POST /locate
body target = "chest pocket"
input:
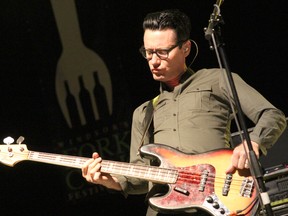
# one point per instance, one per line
(197, 99)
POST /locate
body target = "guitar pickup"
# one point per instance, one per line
(247, 187)
(227, 184)
(203, 181)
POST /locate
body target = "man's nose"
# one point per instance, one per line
(155, 58)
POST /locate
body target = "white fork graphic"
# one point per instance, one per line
(76, 60)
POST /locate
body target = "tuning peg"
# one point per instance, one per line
(20, 140)
(8, 140)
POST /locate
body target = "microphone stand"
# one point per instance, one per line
(212, 32)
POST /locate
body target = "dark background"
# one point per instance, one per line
(255, 34)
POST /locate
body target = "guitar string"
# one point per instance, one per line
(160, 170)
(234, 188)
(82, 160)
(187, 176)
(235, 184)
(68, 159)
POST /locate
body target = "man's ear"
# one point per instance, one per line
(187, 48)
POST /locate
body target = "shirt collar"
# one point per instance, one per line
(188, 73)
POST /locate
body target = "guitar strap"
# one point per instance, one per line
(148, 121)
(149, 128)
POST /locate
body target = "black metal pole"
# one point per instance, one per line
(213, 32)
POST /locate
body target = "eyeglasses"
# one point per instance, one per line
(163, 54)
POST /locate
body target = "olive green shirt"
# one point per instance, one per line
(196, 115)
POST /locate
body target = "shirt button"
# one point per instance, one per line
(174, 129)
(174, 114)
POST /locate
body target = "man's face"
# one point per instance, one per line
(172, 67)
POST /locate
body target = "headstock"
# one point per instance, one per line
(10, 154)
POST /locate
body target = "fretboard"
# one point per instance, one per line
(149, 173)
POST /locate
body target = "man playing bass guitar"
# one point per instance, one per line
(191, 117)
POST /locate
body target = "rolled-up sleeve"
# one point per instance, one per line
(270, 122)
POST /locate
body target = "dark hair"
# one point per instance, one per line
(169, 19)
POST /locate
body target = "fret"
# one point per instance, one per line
(156, 174)
(63, 160)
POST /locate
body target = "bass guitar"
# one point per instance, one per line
(194, 181)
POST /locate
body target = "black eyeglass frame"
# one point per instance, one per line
(165, 56)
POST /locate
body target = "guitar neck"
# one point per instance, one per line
(57, 159)
(149, 173)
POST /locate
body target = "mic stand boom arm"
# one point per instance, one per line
(215, 36)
